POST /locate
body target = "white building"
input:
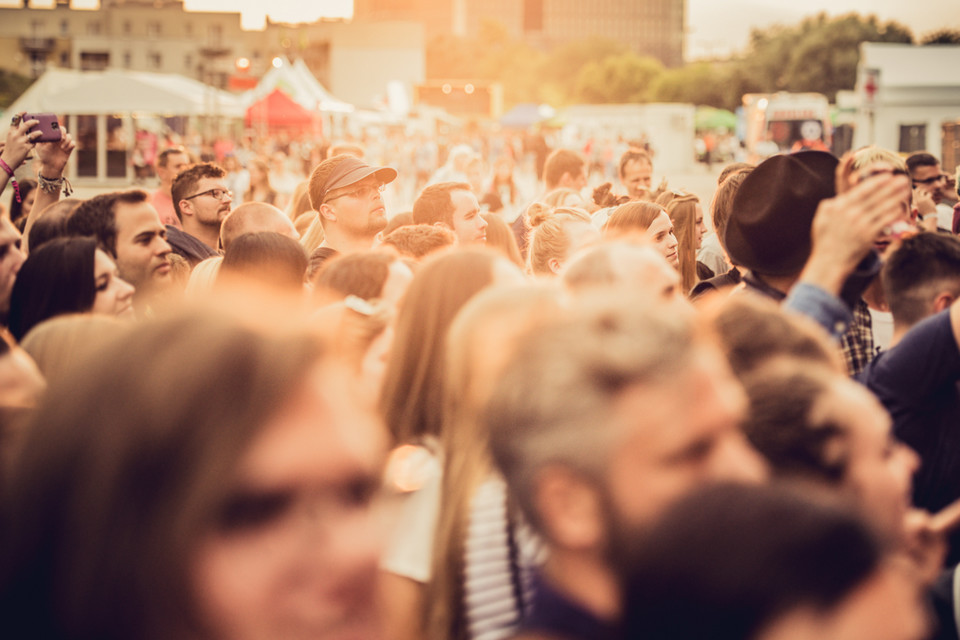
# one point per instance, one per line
(916, 92)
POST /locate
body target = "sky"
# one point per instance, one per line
(714, 27)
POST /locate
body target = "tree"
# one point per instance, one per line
(942, 36)
(625, 77)
(12, 85)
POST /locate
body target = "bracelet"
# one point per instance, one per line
(54, 186)
(13, 180)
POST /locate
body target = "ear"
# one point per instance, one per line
(943, 300)
(570, 509)
(186, 207)
(554, 265)
(328, 213)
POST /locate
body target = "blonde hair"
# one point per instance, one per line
(549, 239)
(203, 277)
(313, 237)
(631, 217)
(57, 343)
(480, 342)
(868, 155)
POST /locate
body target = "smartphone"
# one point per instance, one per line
(49, 126)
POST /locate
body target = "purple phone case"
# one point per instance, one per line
(49, 126)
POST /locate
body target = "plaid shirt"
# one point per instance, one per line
(857, 341)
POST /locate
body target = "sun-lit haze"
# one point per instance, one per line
(714, 29)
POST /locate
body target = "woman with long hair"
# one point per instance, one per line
(686, 215)
(412, 406)
(260, 188)
(67, 275)
(647, 219)
(198, 477)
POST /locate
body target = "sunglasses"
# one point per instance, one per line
(938, 178)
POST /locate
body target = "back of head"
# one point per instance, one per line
(753, 330)
(413, 385)
(85, 480)
(52, 222)
(96, 217)
(434, 204)
(924, 266)
(732, 168)
(58, 343)
(57, 278)
(253, 217)
(729, 561)
(361, 274)
(549, 239)
(559, 163)
(500, 237)
(568, 374)
(269, 258)
(722, 203)
(419, 240)
(185, 184)
(561, 197)
(872, 154)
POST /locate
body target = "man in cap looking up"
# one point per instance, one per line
(346, 192)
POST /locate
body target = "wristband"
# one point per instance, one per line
(13, 180)
(53, 186)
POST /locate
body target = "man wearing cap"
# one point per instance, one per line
(346, 192)
(796, 236)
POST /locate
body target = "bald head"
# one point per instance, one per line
(618, 264)
(253, 217)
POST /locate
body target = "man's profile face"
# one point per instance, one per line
(469, 226)
(142, 250)
(931, 178)
(670, 444)
(359, 208)
(176, 162)
(637, 178)
(207, 210)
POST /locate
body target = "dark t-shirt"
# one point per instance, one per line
(188, 246)
(553, 615)
(917, 382)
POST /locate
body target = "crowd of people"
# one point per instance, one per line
(231, 409)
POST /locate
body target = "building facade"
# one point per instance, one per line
(648, 27)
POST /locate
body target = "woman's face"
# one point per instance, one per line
(293, 553)
(661, 232)
(27, 205)
(700, 228)
(114, 295)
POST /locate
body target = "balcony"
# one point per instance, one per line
(36, 45)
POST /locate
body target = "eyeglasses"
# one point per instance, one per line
(363, 192)
(938, 178)
(217, 194)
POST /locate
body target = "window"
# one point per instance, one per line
(153, 29)
(156, 60)
(127, 60)
(64, 27)
(913, 137)
(188, 29)
(214, 35)
(94, 60)
(188, 61)
(64, 59)
(93, 28)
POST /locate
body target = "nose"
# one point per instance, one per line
(483, 224)
(673, 242)
(163, 247)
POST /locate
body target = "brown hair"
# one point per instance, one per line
(419, 240)
(631, 217)
(108, 517)
(360, 274)
(319, 178)
(683, 213)
(633, 154)
(97, 217)
(560, 162)
(413, 384)
(501, 238)
(186, 181)
(722, 205)
(434, 203)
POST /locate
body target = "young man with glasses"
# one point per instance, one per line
(927, 176)
(346, 192)
(201, 200)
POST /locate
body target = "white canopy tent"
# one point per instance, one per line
(105, 109)
(67, 91)
(296, 80)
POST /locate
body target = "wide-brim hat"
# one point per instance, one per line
(352, 170)
(768, 230)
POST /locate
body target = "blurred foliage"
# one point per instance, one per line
(942, 36)
(819, 54)
(11, 86)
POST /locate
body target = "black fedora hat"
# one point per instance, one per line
(769, 227)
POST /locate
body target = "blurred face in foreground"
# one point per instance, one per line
(294, 551)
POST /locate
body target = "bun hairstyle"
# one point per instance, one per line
(548, 235)
(604, 197)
